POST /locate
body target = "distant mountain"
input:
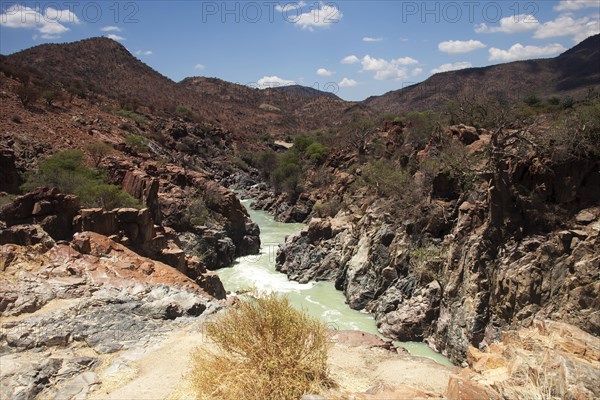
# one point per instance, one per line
(304, 91)
(103, 66)
(271, 110)
(570, 74)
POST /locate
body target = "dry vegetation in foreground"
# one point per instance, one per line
(267, 351)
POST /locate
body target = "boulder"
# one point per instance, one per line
(49, 208)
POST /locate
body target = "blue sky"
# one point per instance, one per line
(354, 48)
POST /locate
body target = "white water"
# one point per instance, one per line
(319, 299)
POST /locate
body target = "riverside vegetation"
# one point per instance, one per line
(469, 221)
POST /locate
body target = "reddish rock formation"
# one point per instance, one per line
(49, 208)
(547, 360)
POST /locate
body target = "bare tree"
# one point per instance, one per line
(97, 152)
(358, 134)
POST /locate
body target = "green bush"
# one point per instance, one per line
(197, 213)
(137, 142)
(421, 126)
(327, 209)
(316, 152)
(99, 194)
(532, 101)
(183, 111)
(301, 143)
(286, 175)
(387, 179)
(67, 172)
(267, 350)
(133, 115)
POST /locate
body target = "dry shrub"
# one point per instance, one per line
(535, 375)
(267, 351)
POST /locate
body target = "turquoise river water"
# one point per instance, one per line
(319, 299)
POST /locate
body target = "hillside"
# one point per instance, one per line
(278, 111)
(569, 74)
(101, 66)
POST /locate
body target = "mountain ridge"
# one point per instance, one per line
(569, 74)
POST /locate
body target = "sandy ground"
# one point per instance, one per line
(159, 372)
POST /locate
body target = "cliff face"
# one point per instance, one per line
(460, 272)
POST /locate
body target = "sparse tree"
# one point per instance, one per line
(27, 94)
(98, 151)
(51, 95)
(359, 132)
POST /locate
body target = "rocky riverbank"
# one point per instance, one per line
(458, 269)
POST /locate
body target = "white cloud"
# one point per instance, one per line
(273, 81)
(572, 5)
(115, 37)
(143, 53)
(289, 7)
(460, 47)
(372, 39)
(200, 67)
(566, 25)
(324, 72)
(322, 16)
(387, 70)
(417, 71)
(344, 83)
(451, 67)
(110, 28)
(350, 60)
(520, 52)
(49, 23)
(514, 24)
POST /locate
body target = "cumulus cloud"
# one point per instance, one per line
(459, 46)
(387, 69)
(573, 5)
(324, 72)
(566, 25)
(49, 23)
(111, 28)
(115, 37)
(322, 16)
(451, 67)
(143, 53)
(513, 24)
(289, 7)
(350, 60)
(520, 52)
(372, 39)
(273, 81)
(417, 71)
(200, 67)
(344, 83)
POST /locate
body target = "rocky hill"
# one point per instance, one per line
(282, 112)
(570, 74)
(101, 66)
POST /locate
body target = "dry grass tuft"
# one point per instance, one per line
(267, 351)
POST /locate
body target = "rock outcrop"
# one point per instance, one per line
(49, 208)
(175, 191)
(546, 360)
(457, 270)
(9, 175)
(64, 309)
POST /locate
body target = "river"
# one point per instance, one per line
(319, 299)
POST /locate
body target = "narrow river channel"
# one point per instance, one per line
(319, 299)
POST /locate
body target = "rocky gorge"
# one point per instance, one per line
(445, 274)
(480, 239)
